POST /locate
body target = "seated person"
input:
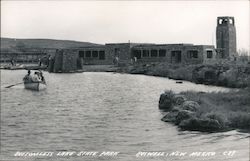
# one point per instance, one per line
(42, 77)
(36, 78)
(27, 77)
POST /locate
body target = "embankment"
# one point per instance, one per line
(227, 75)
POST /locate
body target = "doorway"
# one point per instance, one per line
(176, 56)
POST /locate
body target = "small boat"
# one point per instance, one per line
(37, 86)
(179, 82)
(34, 82)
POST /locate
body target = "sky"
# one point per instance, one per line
(122, 21)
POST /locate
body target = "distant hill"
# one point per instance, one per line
(16, 44)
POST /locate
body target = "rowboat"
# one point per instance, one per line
(34, 82)
(37, 86)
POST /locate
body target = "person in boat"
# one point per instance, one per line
(35, 77)
(27, 77)
(41, 76)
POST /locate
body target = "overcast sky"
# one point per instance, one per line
(121, 21)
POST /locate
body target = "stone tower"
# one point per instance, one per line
(226, 37)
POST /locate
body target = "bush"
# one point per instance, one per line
(240, 120)
(166, 101)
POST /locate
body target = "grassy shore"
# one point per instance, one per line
(214, 111)
(227, 74)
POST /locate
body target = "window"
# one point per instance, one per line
(209, 54)
(81, 54)
(162, 53)
(117, 50)
(94, 54)
(137, 54)
(88, 54)
(145, 53)
(192, 54)
(153, 53)
(195, 54)
(102, 55)
(220, 21)
(230, 21)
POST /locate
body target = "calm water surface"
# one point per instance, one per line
(103, 112)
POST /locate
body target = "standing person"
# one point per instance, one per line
(135, 59)
(132, 61)
(39, 62)
(117, 60)
(12, 62)
(48, 60)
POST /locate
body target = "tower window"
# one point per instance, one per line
(230, 21)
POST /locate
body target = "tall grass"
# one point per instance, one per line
(231, 109)
(229, 74)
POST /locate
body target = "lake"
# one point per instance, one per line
(100, 112)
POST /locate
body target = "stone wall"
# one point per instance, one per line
(172, 53)
(150, 53)
(64, 61)
(96, 55)
(120, 50)
(209, 54)
(69, 60)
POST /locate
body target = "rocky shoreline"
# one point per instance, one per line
(204, 111)
(198, 111)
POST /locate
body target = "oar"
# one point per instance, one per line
(13, 85)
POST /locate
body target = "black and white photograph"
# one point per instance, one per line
(129, 80)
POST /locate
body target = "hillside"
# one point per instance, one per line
(13, 44)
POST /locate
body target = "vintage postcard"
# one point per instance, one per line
(125, 80)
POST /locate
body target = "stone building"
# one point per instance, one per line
(174, 53)
(67, 60)
(128, 52)
(21, 57)
(30, 55)
(93, 55)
